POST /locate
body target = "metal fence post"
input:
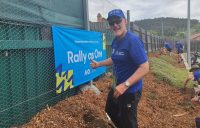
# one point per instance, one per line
(128, 19)
(146, 42)
(151, 43)
(86, 15)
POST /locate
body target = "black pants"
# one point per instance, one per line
(123, 111)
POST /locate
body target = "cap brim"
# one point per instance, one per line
(113, 16)
(193, 69)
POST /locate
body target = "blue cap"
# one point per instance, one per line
(196, 75)
(116, 12)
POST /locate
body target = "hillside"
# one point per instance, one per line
(171, 26)
(162, 105)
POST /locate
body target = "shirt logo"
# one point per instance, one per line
(121, 53)
(113, 51)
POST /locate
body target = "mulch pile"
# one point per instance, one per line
(85, 110)
(161, 106)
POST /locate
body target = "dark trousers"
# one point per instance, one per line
(123, 111)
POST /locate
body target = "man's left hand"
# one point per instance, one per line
(119, 90)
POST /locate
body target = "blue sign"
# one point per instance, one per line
(73, 50)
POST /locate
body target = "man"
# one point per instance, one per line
(195, 76)
(130, 65)
(169, 48)
(179, 49)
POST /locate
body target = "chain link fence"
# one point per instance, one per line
(195, 46)
(152, 43)
(27, 78)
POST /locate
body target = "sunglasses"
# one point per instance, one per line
(117, 21)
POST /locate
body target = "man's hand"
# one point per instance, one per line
(94, 64)
(119, 90)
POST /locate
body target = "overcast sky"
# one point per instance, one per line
(144, 9)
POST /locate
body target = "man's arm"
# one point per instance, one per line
(107, 62)
(139, 74)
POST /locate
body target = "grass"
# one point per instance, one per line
(164, 70)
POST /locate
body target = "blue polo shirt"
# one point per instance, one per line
(168, 46)
(196, 75)
(127, 54)
(179, 46)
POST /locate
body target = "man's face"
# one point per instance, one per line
(117, 25)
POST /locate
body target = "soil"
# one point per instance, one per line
(161, 106)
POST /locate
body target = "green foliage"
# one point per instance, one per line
(180, 35)
(164, 70)
(170, 25)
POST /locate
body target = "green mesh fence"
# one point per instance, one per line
(27, 72)
(62, 12)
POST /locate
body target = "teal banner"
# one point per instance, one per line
(73, 49)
